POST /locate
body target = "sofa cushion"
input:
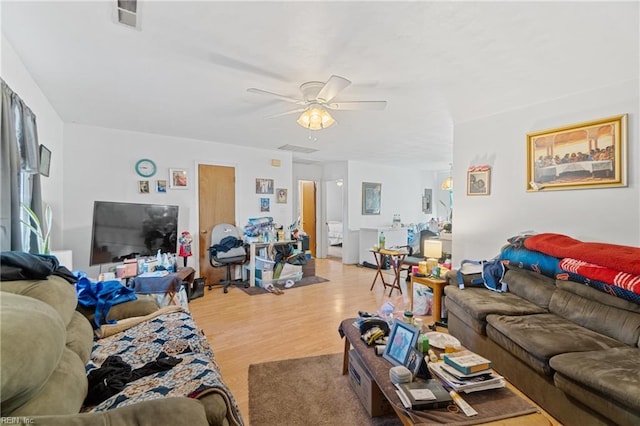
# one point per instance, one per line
(597, 311)
(531, 286)
(54, 291)
(63, 393)
(143, 305)
(80, 336)
(155, 412)
(33, 336)
(534, 339)
(612, 372)
(479, 302)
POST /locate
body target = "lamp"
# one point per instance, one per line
(447, 184)
(432, 250)
(315, 117)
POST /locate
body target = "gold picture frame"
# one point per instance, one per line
(479, 180)
(587, 155)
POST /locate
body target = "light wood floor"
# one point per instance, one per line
(245, 330)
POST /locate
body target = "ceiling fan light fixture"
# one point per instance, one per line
(315, 117)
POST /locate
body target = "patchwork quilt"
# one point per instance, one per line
(174, 334)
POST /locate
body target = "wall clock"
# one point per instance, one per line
(146, 168)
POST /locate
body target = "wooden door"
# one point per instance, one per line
(217, 204)
(308, 212)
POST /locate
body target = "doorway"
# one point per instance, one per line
(216, 204)
(334, 217)
(307, 191)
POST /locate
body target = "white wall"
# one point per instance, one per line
(100, 166)
(402, 191)
(481, 225)
(334, 201)
(50, 134)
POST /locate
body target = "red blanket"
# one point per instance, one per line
(617, 257)
(600, 273)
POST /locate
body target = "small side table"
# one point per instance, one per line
(396, 263)
(437, 285)
(169, 285)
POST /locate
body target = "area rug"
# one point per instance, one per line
(313, 391)
(253, 290)
(306, 391)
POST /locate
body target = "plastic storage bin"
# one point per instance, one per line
(264, 264)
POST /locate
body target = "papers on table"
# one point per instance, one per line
(487, 381)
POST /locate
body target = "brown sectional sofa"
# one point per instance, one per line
(48, 347)
(571, 348)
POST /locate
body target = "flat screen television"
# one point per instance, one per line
(128, 230)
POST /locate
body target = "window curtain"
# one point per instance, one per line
(20, 180)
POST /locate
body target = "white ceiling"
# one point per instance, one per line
(186, 71)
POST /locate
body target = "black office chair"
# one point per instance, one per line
(227, 249)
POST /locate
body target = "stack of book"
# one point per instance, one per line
(466, 371)
(423, 395)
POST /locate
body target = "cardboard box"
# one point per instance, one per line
(368, 392)
(309, 269)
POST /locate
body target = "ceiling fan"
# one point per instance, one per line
(317, 97)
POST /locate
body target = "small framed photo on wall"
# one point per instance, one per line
(143, 186)
(161, 186)
(264, 186)
(479, 180)
(178, 179)
(265, 204)
(282, 196)
(371, 198)
(45, 161)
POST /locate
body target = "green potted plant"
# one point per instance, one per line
(34, 225)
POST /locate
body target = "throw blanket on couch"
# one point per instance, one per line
(600, 273)
(169, 335)
(616, 283)
(617, 257)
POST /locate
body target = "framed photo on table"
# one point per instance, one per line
(414, 361)
(402, 339)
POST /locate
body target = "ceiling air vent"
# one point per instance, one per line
(296, 148)
(305, 161)
(127, 13)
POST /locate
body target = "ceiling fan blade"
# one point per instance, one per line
(281, 97)
(229, 62)
(332, 87)
(357, 105)
(295, 111)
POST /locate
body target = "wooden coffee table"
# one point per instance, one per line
(378, 368)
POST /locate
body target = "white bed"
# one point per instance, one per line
(334, 233)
